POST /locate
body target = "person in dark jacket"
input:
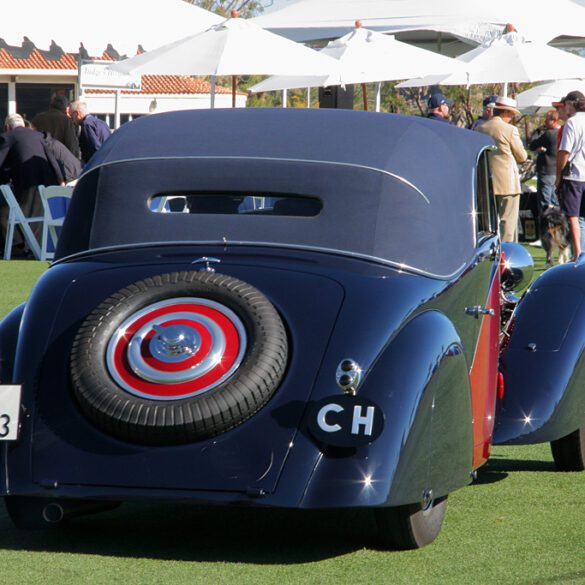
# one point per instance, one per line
(438, 108)
(69, 166)
(93, 132)
(544, 142)
(58, 124)
(24, 162)
(488, 112)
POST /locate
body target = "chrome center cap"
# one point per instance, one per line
(174, 342)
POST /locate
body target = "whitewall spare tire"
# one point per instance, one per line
(178, 357)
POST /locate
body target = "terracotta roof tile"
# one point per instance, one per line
(36, 61)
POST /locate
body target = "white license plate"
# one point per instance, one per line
(9, 412)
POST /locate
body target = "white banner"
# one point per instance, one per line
(97, 75)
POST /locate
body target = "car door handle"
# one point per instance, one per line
(477, 311)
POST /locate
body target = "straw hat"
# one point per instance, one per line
(506, 103)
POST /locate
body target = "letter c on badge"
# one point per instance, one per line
(321, 416)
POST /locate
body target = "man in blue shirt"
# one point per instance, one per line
(93, 132)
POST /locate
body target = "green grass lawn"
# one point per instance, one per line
(521, 522)
(17, 278)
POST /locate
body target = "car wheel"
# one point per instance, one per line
(412, 526)
(178, 357)
(569, 451)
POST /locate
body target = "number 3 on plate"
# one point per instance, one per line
(4, 425)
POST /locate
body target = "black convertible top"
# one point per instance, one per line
(397, 188)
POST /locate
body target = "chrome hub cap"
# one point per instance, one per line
(174, 343)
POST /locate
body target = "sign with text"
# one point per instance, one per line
(345, 420)
(97, 75)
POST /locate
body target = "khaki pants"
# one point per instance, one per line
(508, 212)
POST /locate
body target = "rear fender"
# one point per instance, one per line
(544, 362)
(9, 328)
(421, 383)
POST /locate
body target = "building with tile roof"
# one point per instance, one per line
(29, 77)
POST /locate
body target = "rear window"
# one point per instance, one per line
(236, 204)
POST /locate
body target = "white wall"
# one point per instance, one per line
(148, 104)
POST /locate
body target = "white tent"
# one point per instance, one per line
(475, 20)
(234, 47)
(366, 56)
(125, 24)
(509, 59)
(539, 99)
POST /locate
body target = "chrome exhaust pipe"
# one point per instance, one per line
(37, 513)
(53, 513)
(56, 512)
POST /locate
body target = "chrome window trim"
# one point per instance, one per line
(225, 243)
(265, 158)
(476, 238)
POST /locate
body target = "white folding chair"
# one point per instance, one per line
(17, 218)
(51, 221)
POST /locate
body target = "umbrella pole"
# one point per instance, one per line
(378, 96)
(365, 96)
(308, 97)
(284, 98)
(212, 99)
(233, 91)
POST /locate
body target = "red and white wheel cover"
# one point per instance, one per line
(176, 348)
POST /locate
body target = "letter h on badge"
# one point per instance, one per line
(366, 420)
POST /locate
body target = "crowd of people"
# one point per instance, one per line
(560, 160)
(49, 150)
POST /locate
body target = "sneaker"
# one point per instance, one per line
(537, 244)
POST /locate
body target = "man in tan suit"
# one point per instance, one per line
(505, 175)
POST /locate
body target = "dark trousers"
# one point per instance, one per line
(31, 205)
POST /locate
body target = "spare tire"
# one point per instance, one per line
(178, 357)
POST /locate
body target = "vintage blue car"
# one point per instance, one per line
(283, 308)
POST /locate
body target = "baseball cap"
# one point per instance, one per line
(573, 96)
(438, 99)
(490, 99)
(570, 97)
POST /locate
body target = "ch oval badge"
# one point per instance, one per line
(346, 421)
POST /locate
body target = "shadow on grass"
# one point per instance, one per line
(521, 465)
(564, 579)
(186, 533)
(497, 469)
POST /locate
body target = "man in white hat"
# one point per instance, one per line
(504, 164)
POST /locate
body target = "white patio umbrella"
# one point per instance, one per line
(541, 97)
(506, 60)
(94, 24)
(234, 47)
(474, 20)
(366, 56)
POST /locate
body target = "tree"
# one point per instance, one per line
(245, 8)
